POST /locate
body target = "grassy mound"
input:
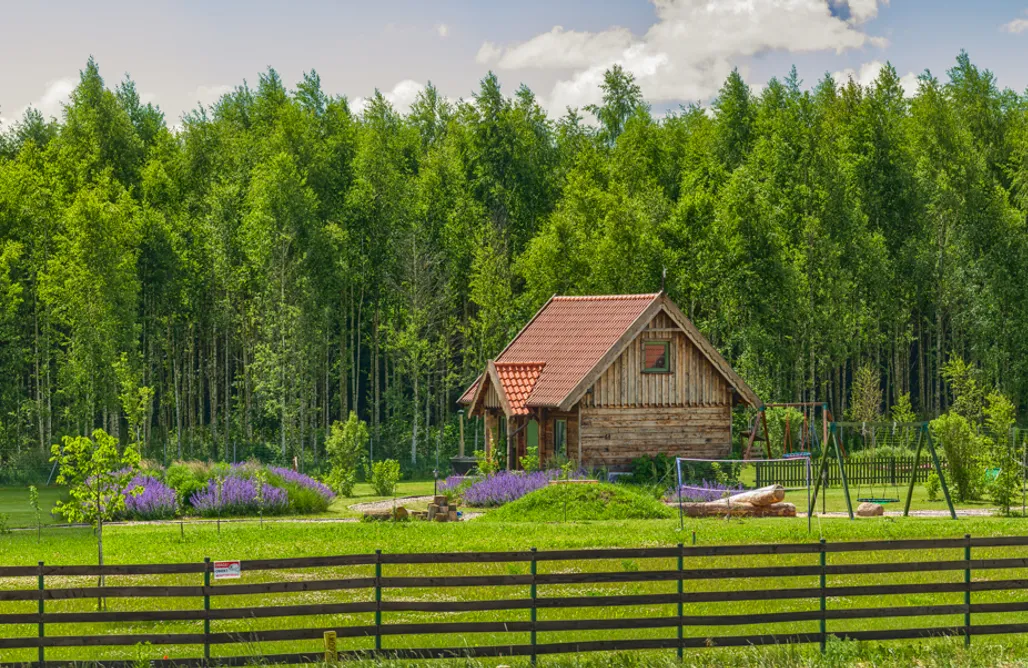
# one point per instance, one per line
(584, 502)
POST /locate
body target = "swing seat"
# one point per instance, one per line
(879, 501)
(796, 455)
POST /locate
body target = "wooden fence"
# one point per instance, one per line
(850, 584)
(872, 471)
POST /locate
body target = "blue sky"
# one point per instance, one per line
(182, 54)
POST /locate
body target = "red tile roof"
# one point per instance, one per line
(518, 380)
(570, 334)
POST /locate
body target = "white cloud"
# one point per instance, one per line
(1017, 26)
(208, 95)
(50, 104)
(442, 30)
(692, 47)
(488, 53)
(401, 96)
(868, 72)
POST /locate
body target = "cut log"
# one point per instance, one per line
(400, 513)
(765, 496)
(439, 500)
(721, 508)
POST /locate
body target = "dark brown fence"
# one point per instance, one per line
(670, 575)
(870, 471)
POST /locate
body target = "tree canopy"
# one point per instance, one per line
(236, 285)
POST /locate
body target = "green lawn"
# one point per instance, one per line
(246, 541)
(192, 542)
(14, 502)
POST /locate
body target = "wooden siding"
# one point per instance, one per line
(546, 434)
(613, 437)
(692, 381)
(491, 399)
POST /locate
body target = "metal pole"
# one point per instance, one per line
(378, 600)
(967, 590)
(681, 612)
(533, 611)
(822, 622)
(42, 633)
(206, 610)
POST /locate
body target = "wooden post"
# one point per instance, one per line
(461, 453)
(681, 611)
(967, 590)
(823, 622)
(533, 612)
(42, 633)
(331, 650)
(206, 611)
(938, 472)
(378, 600)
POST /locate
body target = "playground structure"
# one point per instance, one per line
(820, 437)
(833, 449)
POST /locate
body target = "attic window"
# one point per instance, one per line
(656, 356)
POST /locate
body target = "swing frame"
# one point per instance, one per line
(809, 411)
(833, 445)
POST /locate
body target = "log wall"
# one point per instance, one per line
(613, 437)
(692, 380)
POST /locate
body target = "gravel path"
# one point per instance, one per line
(966, 512)
(388, 504)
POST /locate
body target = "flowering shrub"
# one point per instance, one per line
(302, 480)
(506, 486)
(238, 496)
(154, 500)
(703, 491)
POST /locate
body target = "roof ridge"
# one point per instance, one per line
(571, 298)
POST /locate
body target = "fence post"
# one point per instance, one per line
(824, 601)
(533, 611)
(378, 600)
(331, 651)
(206, 611)
(967, 590)
(42, 586)
(681, 567)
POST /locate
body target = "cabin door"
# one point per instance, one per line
(531, 440)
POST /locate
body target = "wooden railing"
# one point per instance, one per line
(870, 471)
(671, 590)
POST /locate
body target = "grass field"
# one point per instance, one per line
(192, 542)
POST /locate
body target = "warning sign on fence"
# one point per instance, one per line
(226, 570)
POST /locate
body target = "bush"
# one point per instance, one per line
(156, 501)
(184, 479)
(306, 495)
(486, 463)
(506, 486)
(238, 496)
(384, 476)
(964, 450)
(345, 448)
(933, 486)
(530, 462)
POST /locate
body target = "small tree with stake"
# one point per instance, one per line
(97, 475)
(34, 505)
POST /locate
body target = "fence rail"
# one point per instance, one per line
(871, 471)
(810, 580)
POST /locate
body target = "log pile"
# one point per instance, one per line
(442, 510)
(763, 502)
(397, 514)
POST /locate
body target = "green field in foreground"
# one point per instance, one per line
(165, 543)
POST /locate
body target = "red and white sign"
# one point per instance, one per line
(227, 570)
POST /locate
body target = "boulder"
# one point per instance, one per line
(866, 509)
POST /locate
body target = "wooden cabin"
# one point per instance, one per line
(603, 380)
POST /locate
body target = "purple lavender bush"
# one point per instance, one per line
(238, 496)
(305, 494)
(156, 501)
(702, 492)
(506, 486)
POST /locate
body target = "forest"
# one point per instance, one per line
(231, 284)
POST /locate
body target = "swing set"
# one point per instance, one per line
(809, 438)
(834, 450)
